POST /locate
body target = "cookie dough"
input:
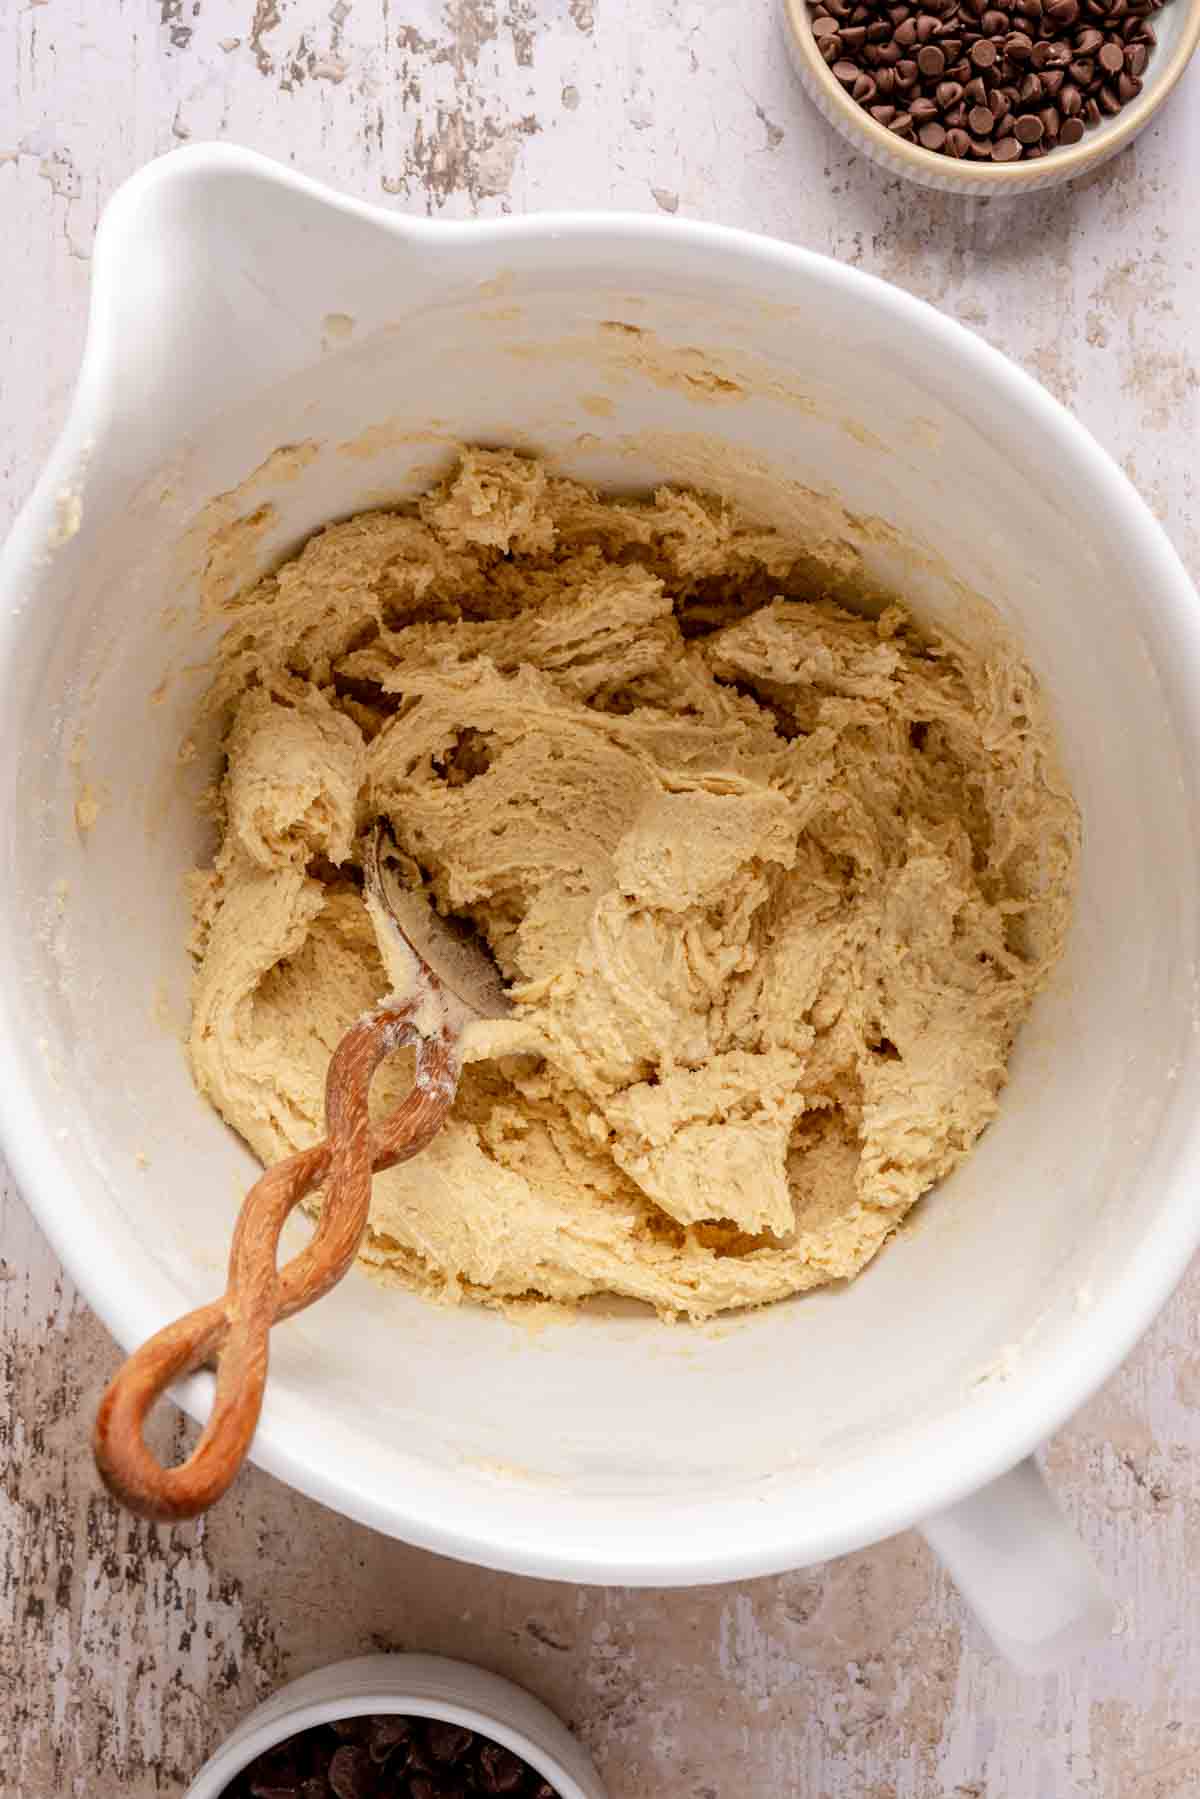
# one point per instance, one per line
(774, 882)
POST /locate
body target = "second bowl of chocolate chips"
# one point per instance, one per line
(990, 97)
(386, 1755)
(400, 1727)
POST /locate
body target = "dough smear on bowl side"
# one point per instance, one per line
(773, 883)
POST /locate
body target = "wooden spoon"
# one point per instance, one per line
(444, 981)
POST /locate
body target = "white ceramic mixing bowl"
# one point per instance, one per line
(238, 308)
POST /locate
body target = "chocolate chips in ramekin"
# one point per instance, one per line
(388, 1757)
(966, 78)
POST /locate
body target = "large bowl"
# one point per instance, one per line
(238, 308)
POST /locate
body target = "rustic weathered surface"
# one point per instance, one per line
(126, 1653)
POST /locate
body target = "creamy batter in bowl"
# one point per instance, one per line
(773, 877)
(264, 357)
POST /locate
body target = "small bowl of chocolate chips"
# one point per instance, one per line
(990, 96)
(400, 1727)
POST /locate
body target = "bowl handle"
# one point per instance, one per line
(1022, 1570)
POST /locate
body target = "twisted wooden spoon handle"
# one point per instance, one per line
(235, 1331)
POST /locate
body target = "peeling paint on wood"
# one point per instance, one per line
(127, 1653)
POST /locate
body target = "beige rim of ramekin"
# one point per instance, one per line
(1073, 160)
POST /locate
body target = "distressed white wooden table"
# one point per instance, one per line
(126, 1653)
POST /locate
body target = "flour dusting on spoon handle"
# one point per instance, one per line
(429, 959)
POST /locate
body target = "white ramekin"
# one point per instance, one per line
(417, 1686)
(1178, 28)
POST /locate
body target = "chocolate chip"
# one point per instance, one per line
(388, 1736)
(931, 61)
(352, 1772)
(1072, 131)
(1029, 129)
(1007, 149)
(499, 1770)
(447, 1743)
(276, 1770)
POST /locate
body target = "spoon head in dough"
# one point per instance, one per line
(449, 951)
